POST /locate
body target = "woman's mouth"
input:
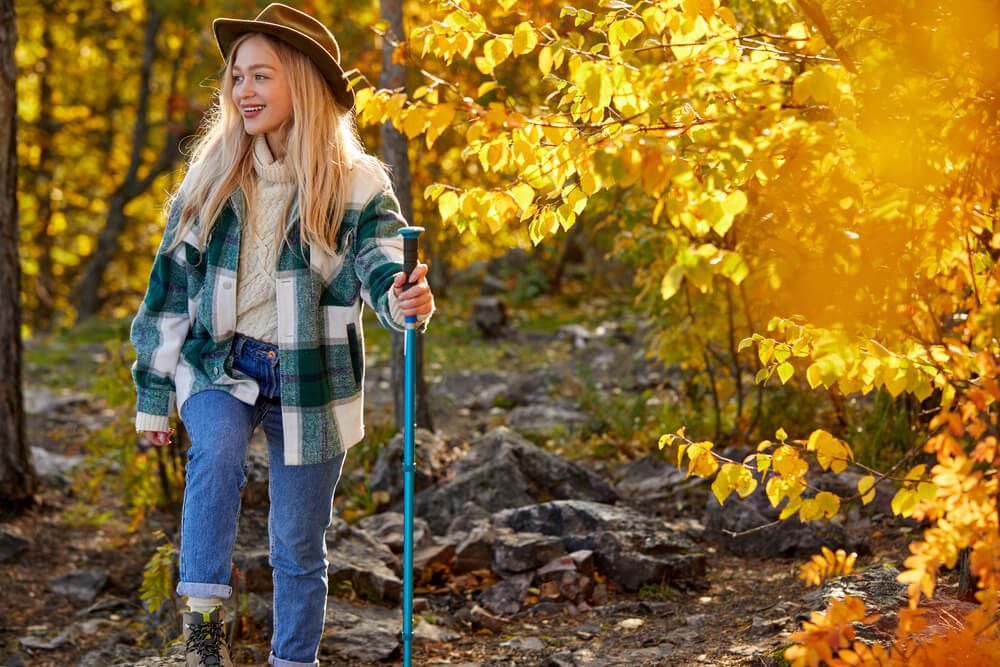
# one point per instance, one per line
(252, 112)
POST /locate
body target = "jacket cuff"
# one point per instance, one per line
(147, 422)
(397, 316)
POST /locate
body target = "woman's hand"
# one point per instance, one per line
(416, 299)
(158, 438)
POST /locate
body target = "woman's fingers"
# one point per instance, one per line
(158, 438)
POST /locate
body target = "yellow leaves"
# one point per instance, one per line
(913, 492)
(701, 461)
(448, 205)
(824, 505)
(866, 489)
(495, 51)
(523, 194)
(733, 477)
(832, 453)
(525, 39)
(622, 32)
(655, 20)
(671, 282)
(438, 120)
(827, 564)
(594, 82)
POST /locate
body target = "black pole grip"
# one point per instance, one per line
(411, 236)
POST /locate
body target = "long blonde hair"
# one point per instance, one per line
(322, 146)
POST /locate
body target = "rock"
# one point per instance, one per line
(48, 643)
(503, 470)
(630, 548)
(525, 644)
(387, 472)
(387, 528)
(12, 545)
(480, 618)
(52, 467)
(532, 387)
(255, 566)
(475, 552)
(82, 585)
(429, 633)
(505, 597)
(435, 554)
(784, 539)
(468, 519)
(489, 316)
(547, 421)
(260, 609)
(647, 479)
(876, 586)
(520, 552)
(255, 492)
(554, 569)
(473, 389)
(15, 660)
(492, 286)
(563, 659)
(367, 634)
(359, 559)
(43, 402)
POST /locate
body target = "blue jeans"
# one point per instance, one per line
(301, 496)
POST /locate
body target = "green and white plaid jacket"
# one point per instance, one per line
(185, 326)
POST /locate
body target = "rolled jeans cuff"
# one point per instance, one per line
(188, 589)
(278, 662)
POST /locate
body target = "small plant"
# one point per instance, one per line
(158, 576)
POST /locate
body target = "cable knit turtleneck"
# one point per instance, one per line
(256, 305)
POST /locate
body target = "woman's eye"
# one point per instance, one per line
(260, 77)
(236, 78)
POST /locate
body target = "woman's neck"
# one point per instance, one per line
(276, 143)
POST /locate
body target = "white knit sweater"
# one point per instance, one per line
(256, 303)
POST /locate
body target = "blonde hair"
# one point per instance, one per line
(322, 146)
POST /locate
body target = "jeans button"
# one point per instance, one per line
(270, 354)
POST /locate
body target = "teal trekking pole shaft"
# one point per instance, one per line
(410, 236)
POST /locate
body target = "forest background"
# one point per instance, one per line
(799, 198)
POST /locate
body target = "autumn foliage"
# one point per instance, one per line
(830, 172)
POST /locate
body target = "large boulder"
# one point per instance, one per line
(503, 470)
(430, 453)
(370, 566)
(630, 548)
(543, 421)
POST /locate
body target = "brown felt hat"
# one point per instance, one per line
(297, 29)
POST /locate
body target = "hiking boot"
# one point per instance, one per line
(205, 640)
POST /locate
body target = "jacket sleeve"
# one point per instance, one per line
(159, 330)
(379, 256)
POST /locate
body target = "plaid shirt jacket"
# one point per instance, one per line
(184, 330)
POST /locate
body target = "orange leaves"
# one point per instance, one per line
(825, 634)
(827, 564)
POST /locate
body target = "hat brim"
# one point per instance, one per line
(227, 31)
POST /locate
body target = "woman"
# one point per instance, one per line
(252, 316)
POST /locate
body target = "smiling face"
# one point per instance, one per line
(261, 91)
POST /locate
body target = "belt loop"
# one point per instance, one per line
(240, 341)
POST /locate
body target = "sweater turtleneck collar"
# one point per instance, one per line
(267, 168)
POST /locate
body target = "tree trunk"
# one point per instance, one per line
(17, 475)
(87, 291)
(394, 154)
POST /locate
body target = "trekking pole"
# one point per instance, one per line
(410, 236)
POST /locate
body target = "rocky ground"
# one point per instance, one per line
(529, 552)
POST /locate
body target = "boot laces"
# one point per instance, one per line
(205, 639)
